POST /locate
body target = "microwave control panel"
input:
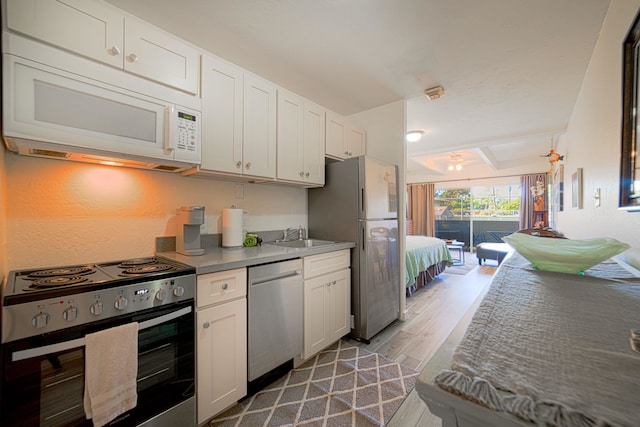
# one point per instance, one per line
(187, 132)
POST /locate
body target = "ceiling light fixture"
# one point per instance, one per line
(434, 93)
(414, 135)
(456, 163)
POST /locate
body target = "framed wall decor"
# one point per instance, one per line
(576, 189)
(630, 150)
(558, 187)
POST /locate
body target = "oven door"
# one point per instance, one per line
(43, 376)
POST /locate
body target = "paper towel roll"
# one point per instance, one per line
(232, 227)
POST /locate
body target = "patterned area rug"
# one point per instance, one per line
(470, 262)
(341, 386)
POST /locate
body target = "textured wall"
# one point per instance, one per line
(61, 212)
(592, 141)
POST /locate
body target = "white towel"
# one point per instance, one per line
(111, 367)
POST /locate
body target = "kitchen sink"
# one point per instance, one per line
(303, 243)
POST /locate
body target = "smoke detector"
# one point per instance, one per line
(434, 93)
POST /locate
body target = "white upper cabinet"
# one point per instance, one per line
(344, 139)
(106, 34)
(88, 28)
(156, 55)
(290, 136)
(336, 136)
(239, 122)
(222, 110)
(301, 136)
(356, 140)
(314, 143)
(259, 142)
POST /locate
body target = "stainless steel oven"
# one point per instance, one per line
(43, 340)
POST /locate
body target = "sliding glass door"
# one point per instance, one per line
(477, 214)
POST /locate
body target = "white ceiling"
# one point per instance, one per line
(511, 69)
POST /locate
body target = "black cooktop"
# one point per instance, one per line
(43, 283)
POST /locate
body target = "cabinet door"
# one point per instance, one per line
(222, 357)
(356, 139)
(222, 101)
(291, 114)
(316, 312)
(157, 55)
(259, 143)
(340, 304)
(314, 143)
(336, 136)
(88, 28)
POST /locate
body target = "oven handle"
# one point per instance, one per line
(79, 342)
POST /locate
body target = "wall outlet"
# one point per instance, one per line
(239, 191)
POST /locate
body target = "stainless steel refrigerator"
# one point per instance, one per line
(359, 203)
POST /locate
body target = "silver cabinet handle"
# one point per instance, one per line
(301, 174)
(238, 164)
(115, 50)
(248, 165)
(79, 342)
(225, 286)
(132, 57)
(307, 174)
(206, 325)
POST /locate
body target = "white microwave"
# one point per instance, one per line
(48, 112)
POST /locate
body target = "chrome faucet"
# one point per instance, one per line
(300, 231)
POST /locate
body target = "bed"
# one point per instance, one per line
(426, 257)
(542, 348)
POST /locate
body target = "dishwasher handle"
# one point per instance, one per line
(275, 277)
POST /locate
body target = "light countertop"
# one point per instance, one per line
(220, 259)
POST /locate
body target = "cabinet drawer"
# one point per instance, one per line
(221, 286)
(316, 265)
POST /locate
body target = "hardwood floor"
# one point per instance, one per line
(432, 313)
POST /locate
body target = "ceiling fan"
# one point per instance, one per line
(553, 155)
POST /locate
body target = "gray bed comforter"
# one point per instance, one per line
(553, 348)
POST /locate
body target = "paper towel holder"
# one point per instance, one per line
(232, 227)
(189, 220)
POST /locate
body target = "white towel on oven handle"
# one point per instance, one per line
(111, 368)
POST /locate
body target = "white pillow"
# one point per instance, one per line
(632, 257)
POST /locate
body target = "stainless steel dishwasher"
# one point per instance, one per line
(275, 320)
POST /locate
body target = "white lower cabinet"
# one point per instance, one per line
(221, 342)
(327, 300)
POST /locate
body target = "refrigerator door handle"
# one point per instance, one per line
(362, 205)
(363, 231)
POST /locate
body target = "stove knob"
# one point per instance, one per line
(40, 320)
(96, 309)
(178, 291)
(70, 314)
(121, 303)
(161, 294)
